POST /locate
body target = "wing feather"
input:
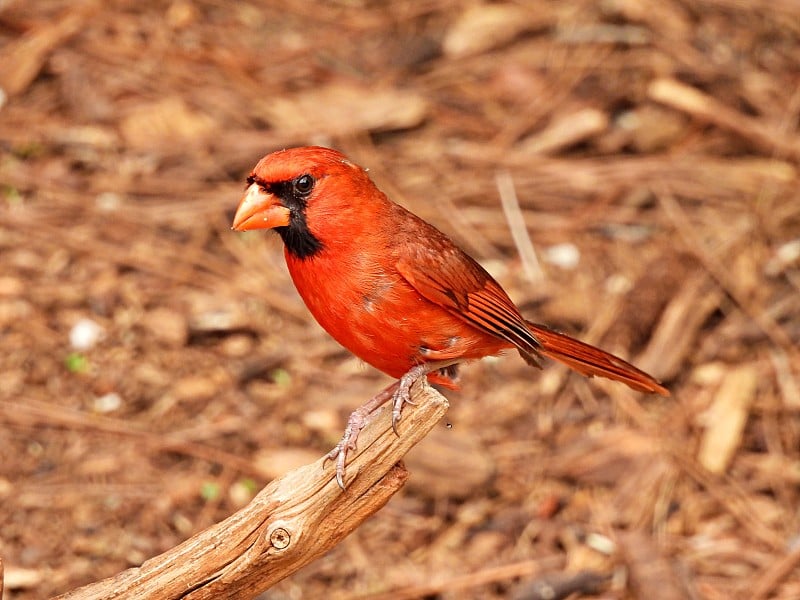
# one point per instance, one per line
(445, 275)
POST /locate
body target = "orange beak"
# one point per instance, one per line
(260, 210)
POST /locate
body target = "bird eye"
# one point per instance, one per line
(303, 184)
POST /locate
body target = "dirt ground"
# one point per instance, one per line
(157, 369)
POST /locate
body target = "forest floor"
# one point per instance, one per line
(158, 369)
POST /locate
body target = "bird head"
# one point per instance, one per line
(295, 192)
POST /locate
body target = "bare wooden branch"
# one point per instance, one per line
(291, 522)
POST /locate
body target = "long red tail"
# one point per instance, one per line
(590, 361)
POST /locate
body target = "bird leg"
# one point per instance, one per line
(402, 394)
(399, 392)
(355, 423)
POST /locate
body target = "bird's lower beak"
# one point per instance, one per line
(260, 210)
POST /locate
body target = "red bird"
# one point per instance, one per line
(393, 289)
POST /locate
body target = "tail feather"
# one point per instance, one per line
(590, 361)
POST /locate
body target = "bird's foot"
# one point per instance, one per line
(399, 392)
(402, 395)
(355, 423)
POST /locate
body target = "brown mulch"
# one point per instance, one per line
(158, 369)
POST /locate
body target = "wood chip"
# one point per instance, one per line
(680, 324)
(167, 326)
(19, 578)
(726, 418)
(565, 130)
(707, 108)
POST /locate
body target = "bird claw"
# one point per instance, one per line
(399, 392)
(356, 422)
(402, 395)
(339, 454)
(399, 400)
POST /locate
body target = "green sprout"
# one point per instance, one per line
(76, 363)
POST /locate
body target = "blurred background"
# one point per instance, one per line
(627, 169)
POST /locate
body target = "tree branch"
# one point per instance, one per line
(291, 522)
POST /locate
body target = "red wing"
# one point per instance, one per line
(460, 285)
(443, 274)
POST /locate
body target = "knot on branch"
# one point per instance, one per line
(280, 538)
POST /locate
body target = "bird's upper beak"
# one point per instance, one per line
(259, 209)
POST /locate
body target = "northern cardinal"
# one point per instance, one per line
(393, 289)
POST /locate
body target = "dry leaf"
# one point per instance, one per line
(341, 109)
(487, 26)
(274, 462)
(651, 572)
(162, 122)
(450, 464)
(22, 60)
